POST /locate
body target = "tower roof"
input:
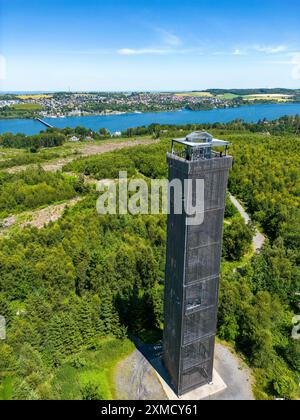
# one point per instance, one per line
(201, 139)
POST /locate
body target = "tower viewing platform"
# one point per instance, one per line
(199, 145)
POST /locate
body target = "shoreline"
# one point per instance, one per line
(120, 123)
(119, 113)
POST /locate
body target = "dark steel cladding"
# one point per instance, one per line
(192, 274)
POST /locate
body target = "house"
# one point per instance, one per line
(117, 134)
(74, 139)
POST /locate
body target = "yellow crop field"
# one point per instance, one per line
(195, 94)
(268, 97)
(24, 97)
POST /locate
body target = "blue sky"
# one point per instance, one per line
(148, 44)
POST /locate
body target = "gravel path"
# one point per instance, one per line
(258, 239)
(136, 378)
(235, 373)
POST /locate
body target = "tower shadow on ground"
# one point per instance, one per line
(153, 353)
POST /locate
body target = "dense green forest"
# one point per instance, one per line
(27, 159)
(52, 137)
(34, 188)
(10, 112)
(72, 291)
(282, 126)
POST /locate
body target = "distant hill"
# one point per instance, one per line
(244, 92)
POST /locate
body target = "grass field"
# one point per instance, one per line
(27, 107)
(6, 390)
(93, 368)
(227, 96)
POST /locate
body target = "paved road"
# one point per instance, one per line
(259, 238)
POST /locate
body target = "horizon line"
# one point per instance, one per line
(3, 92)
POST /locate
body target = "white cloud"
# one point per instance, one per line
(238, 51)
(143, 51)
(169, 44)
(296, 66)
(171, 39)
(294, 62)
(158, 51)
(271, 49)
(2, 67)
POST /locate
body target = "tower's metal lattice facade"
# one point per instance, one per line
(193, 267)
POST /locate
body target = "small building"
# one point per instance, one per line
(117, 134)
(74, 139)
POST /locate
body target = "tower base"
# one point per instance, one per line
(201, 393)
(143, 377)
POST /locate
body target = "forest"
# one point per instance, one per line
(282, 126)
(73, 291)
(52, 137)
(34, 188)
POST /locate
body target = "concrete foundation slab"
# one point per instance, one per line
(142, 376)
(203, 392)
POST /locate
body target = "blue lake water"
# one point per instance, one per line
(251, 113)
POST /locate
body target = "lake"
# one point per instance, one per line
(113, 123)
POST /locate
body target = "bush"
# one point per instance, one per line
(91, 392)
(237, 240)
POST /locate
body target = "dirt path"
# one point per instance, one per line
(38, 218)
(43, 217)
(258, 239)
(85, 151)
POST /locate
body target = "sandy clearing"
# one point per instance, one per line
(38, 218)
(85, 151)
(41, 218)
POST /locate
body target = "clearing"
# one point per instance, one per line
(268, 97)
(137, 379)
(38, 218)
(195, 94)
(84, 151)
(34, 96)
(228, 96)
(27, 107)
